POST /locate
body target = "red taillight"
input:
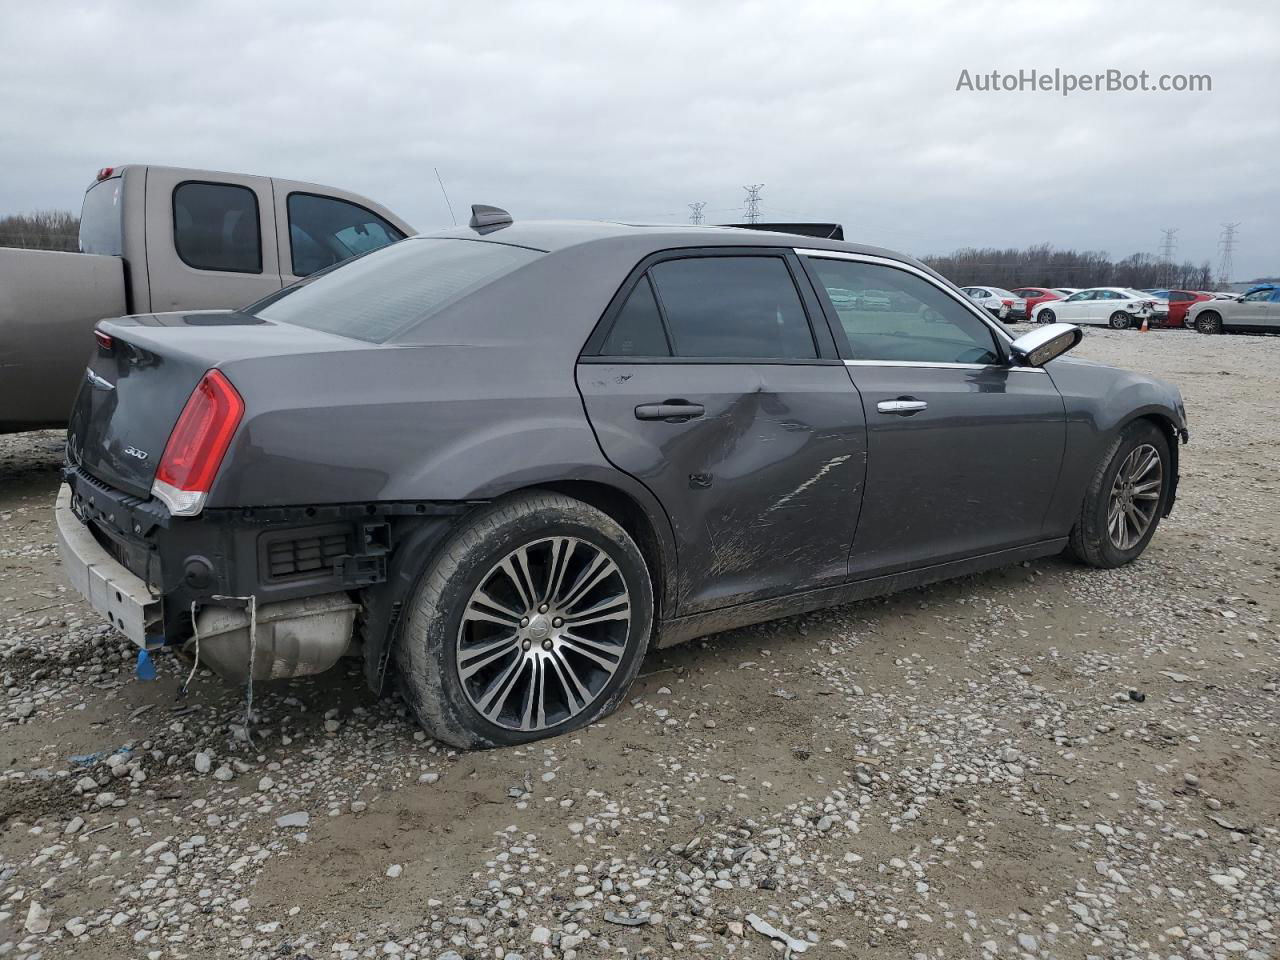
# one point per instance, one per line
(197, 445)
(1007, 303)
(106, 172)
(104, 340)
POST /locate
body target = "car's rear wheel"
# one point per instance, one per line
(1046, 316)
(1120, 320)
(1209, 322)
(1125, 499)
(532, 621)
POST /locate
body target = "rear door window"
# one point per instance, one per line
(216, 227)
(733, 307)
(325, 230)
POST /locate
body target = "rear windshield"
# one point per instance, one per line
(381, 294)
(100, 223)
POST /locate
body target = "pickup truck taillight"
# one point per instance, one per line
(197, 445)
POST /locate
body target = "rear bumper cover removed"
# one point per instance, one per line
(112, 590)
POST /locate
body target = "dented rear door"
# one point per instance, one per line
(759, 462)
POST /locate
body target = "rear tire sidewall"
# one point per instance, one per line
(427, 650)
(1120, 321)
(1101, 551)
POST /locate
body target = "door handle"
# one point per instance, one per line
(903, 406)
(672, 411)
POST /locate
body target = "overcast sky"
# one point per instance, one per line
(845, 111)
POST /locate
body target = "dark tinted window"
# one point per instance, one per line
(637, 331)
(733, 307)
(923, 324)
(101, 224)
(388, 291)
(324, 231)
(215, 227)
(1177, 296)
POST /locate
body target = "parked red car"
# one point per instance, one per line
(1180, 302)
(1036, 295)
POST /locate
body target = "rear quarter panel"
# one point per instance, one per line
(49, 302)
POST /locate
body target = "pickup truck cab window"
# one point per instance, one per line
(101, 224)
(924, 324)
(216, 226)
(325, 230)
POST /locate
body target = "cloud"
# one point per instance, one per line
(632, 110)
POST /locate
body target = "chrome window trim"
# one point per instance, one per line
(964, 301)
(944, 366)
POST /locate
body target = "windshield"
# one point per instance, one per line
(384, 293)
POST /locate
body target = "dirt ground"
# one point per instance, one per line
(1042, 761)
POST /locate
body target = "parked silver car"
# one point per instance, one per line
(1257, 311)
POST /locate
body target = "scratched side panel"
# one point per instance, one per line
(763, 491)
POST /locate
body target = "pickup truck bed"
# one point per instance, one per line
(65, 294)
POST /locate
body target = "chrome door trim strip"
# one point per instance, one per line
(943, 366)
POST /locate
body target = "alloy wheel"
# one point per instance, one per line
(1135, 496)
(543, 633)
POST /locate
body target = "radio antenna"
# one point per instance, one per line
(446, 196)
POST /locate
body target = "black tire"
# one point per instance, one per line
(1120, 321)
(1046, 316)
(1209, 322)
(1089, 542)
(427, 651)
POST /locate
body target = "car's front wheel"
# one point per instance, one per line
(1120, 320)
(1046, 316)
(532, 621)
(1125, 499)
(1209, 322)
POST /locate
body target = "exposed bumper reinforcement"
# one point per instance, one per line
(107, 585)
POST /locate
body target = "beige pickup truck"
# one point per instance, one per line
(154, 239)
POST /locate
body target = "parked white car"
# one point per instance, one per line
(1001, 303)
(1117, 307)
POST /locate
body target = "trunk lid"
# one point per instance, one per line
(134, 390)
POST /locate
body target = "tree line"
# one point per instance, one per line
(1044, 266)
(44, 230)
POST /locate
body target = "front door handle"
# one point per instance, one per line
(672, 411)
(903, 406)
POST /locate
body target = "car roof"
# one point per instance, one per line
(552, 236)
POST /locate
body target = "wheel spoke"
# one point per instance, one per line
(495, 695)
(592, 650)
(526, 596)
(615, 608)
(474, 659)
(561, 553)
(579, 695)
(599, 571)
(482, 608)
(535, 707)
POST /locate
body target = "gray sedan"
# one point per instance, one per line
(507, 460)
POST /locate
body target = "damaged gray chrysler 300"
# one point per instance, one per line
(508, 459)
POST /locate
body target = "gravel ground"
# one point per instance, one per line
(1043, 761)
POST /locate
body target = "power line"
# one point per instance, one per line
(753, 202)
(1226, 243)
(696, 216)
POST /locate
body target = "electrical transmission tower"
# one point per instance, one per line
(1168, 244)
(753, 202)
(1226, 244)
(696, 216)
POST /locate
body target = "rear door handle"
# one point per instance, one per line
(903, 406)
(672, 411)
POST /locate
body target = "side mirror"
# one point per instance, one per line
(1038, 347)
